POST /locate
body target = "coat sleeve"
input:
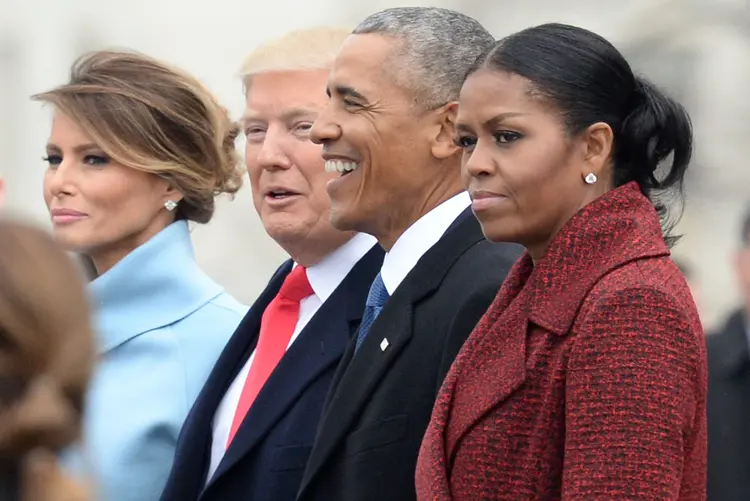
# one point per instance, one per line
(635, 393)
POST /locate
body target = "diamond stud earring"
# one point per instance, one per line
(590, 178)
(170, 205)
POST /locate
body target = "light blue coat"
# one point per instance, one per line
(162, 323)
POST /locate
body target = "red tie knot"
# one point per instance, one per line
(296, 286)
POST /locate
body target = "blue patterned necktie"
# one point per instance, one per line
(376, 299)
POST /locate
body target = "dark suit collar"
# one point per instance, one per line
(240, 346)
(194, 447)
(432, 267)
(371, 361)
(319, 346)
(618, 227)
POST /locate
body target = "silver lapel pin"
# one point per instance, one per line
(384, 344)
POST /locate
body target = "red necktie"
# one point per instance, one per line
(276, 329)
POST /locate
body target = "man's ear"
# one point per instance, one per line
(2, 192)
(444, 131)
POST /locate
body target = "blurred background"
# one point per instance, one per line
(699, 50)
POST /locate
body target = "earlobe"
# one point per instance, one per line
(598, 143)
(443, 145)
(173, 194)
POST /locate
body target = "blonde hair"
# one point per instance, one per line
(46, 345)
(307, 49)
(155, 118)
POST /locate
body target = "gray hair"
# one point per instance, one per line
(439, 46)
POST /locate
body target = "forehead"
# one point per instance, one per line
(492, 92)
(359, 64)
(277, 91)
(66, 131)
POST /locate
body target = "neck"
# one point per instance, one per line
(403, 217)
(307, 253)
(106, 257)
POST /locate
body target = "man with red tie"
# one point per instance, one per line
(251, 430)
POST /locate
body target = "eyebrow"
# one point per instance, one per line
(287, 116)
(346, 91)
(498, 119)
(77, 149)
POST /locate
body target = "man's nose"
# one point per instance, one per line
(324, 129)
(271, 154)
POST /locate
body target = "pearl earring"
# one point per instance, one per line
(170, 205)
(590, 178)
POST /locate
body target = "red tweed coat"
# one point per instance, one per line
(585, 379)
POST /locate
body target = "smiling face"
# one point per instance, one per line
(376, 141)
(99, 207)
(286, 170)
(522, 169)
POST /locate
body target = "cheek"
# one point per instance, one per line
(122, 203)
(535, 171)
(46, 190)
(254, 172)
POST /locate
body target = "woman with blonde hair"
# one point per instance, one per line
(46, 355)
(138, 150)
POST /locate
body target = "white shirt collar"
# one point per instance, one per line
(419, 238)
(326, 275)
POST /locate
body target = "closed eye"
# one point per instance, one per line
(351, 104)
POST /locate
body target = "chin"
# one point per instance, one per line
(495, 235)
(71, 242)
(344, 220)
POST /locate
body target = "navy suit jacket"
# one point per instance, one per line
(267, 457)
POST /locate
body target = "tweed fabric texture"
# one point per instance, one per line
(584, 380)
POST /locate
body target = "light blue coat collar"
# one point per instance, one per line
(155, 285)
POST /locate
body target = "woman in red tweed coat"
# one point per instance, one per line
(586, 378)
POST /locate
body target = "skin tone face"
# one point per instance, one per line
(99, 207)
(287, 173)
(524, 172)
(393, 161)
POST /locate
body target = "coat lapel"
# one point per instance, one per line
(548, 294)
(503, 323)
(368, 367)
(320, 345)
(193, 449)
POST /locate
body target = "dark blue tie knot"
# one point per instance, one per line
(378, 293)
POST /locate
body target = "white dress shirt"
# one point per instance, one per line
(324, 278)
(419, 238)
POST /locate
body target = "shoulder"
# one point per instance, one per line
(645, 301)
(653, 283)
(213, 322)
(484, 263)
(199, 339)
(225, 306)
